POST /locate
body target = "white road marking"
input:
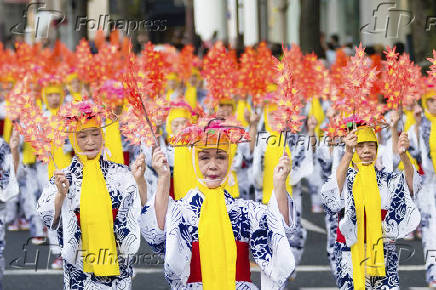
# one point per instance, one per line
(312, 227)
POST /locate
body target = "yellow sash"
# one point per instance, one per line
(28, 154)
(191, 95)
(216, 242)
(96, 222)
(317, 111)
(432, 138)
(274, 150)
(7, 129)
(240, 111)
(410, 121)
(367, 202)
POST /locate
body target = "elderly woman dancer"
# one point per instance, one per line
(207, 235)
(95, 207)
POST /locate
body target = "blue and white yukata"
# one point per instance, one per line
(302, 166)
(261, 226)
(420, 150)
(8, 190)
(402, 217)
(125, 201)
(328, 160)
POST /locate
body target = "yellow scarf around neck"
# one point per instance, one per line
(241, 106)
(191, 95)
(272, 156)
(183, 172)
(28, 154)
(7, 129)
(7, 126)
(410, 121)
(96, 220)
(432, 138)
(367, 202)
(317, 112)
(215, 235)
(113, 143)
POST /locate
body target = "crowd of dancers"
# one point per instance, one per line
(206, 158)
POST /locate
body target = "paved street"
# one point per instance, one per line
(314, 272)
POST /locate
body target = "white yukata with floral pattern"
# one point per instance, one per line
(261, 226)
(125, 198)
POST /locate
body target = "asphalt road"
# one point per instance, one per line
(313, 273)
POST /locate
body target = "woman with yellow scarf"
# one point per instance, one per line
(375, 208)
(423, 148)
(94, 205)
(270, 146)
(179, 117)
(207, 235)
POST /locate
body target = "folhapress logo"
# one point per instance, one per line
(387, 19)
(43, 19)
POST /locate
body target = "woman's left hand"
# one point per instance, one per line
(403, 143)
(281, 173)
(138, 167)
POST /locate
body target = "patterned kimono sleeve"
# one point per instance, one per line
(153, 235)
(46, 205)
(403, 215)
(417, 184)
(323, 157)
(127, 227)
(269, 242)
(331, 196)
(8, 181)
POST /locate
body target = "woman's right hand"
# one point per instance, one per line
(61, 183)
(351, 141)
(159, 162)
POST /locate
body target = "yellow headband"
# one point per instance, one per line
(430, 94)
(88, 123)
(366, 134)
(71, 77)
(56, 89)
(172, 76)
(229, 102)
